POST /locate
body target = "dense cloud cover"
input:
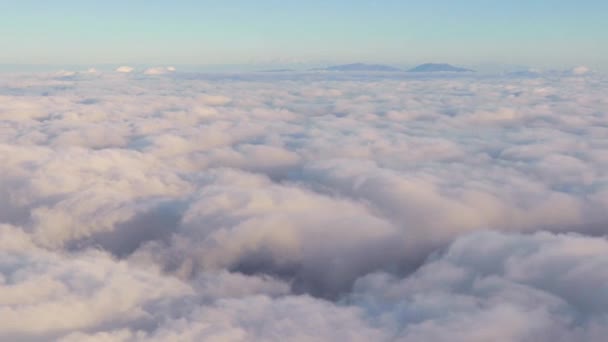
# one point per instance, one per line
(163, 206)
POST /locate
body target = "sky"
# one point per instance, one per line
(543, 33)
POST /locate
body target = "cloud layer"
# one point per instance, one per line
(303, 207)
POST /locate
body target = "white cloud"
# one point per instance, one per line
(302, 207)
(159, 70)
(65, 73)
(125, 69)
(580, 70)
(490, 286)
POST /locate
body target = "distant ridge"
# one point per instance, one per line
(279, 70)
(361, 67)
(524, 73)
(438, 67)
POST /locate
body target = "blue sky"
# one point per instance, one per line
(542, 33)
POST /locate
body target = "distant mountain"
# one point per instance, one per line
(524, 73)
(361, 67)
(279, 70)
(438, 67)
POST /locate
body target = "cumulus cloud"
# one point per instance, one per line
(65, 73)
(580, 70)
(497, 287)
(159, 70)
(303, 207)
(125, 69)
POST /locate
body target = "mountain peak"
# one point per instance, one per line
(438, 67)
